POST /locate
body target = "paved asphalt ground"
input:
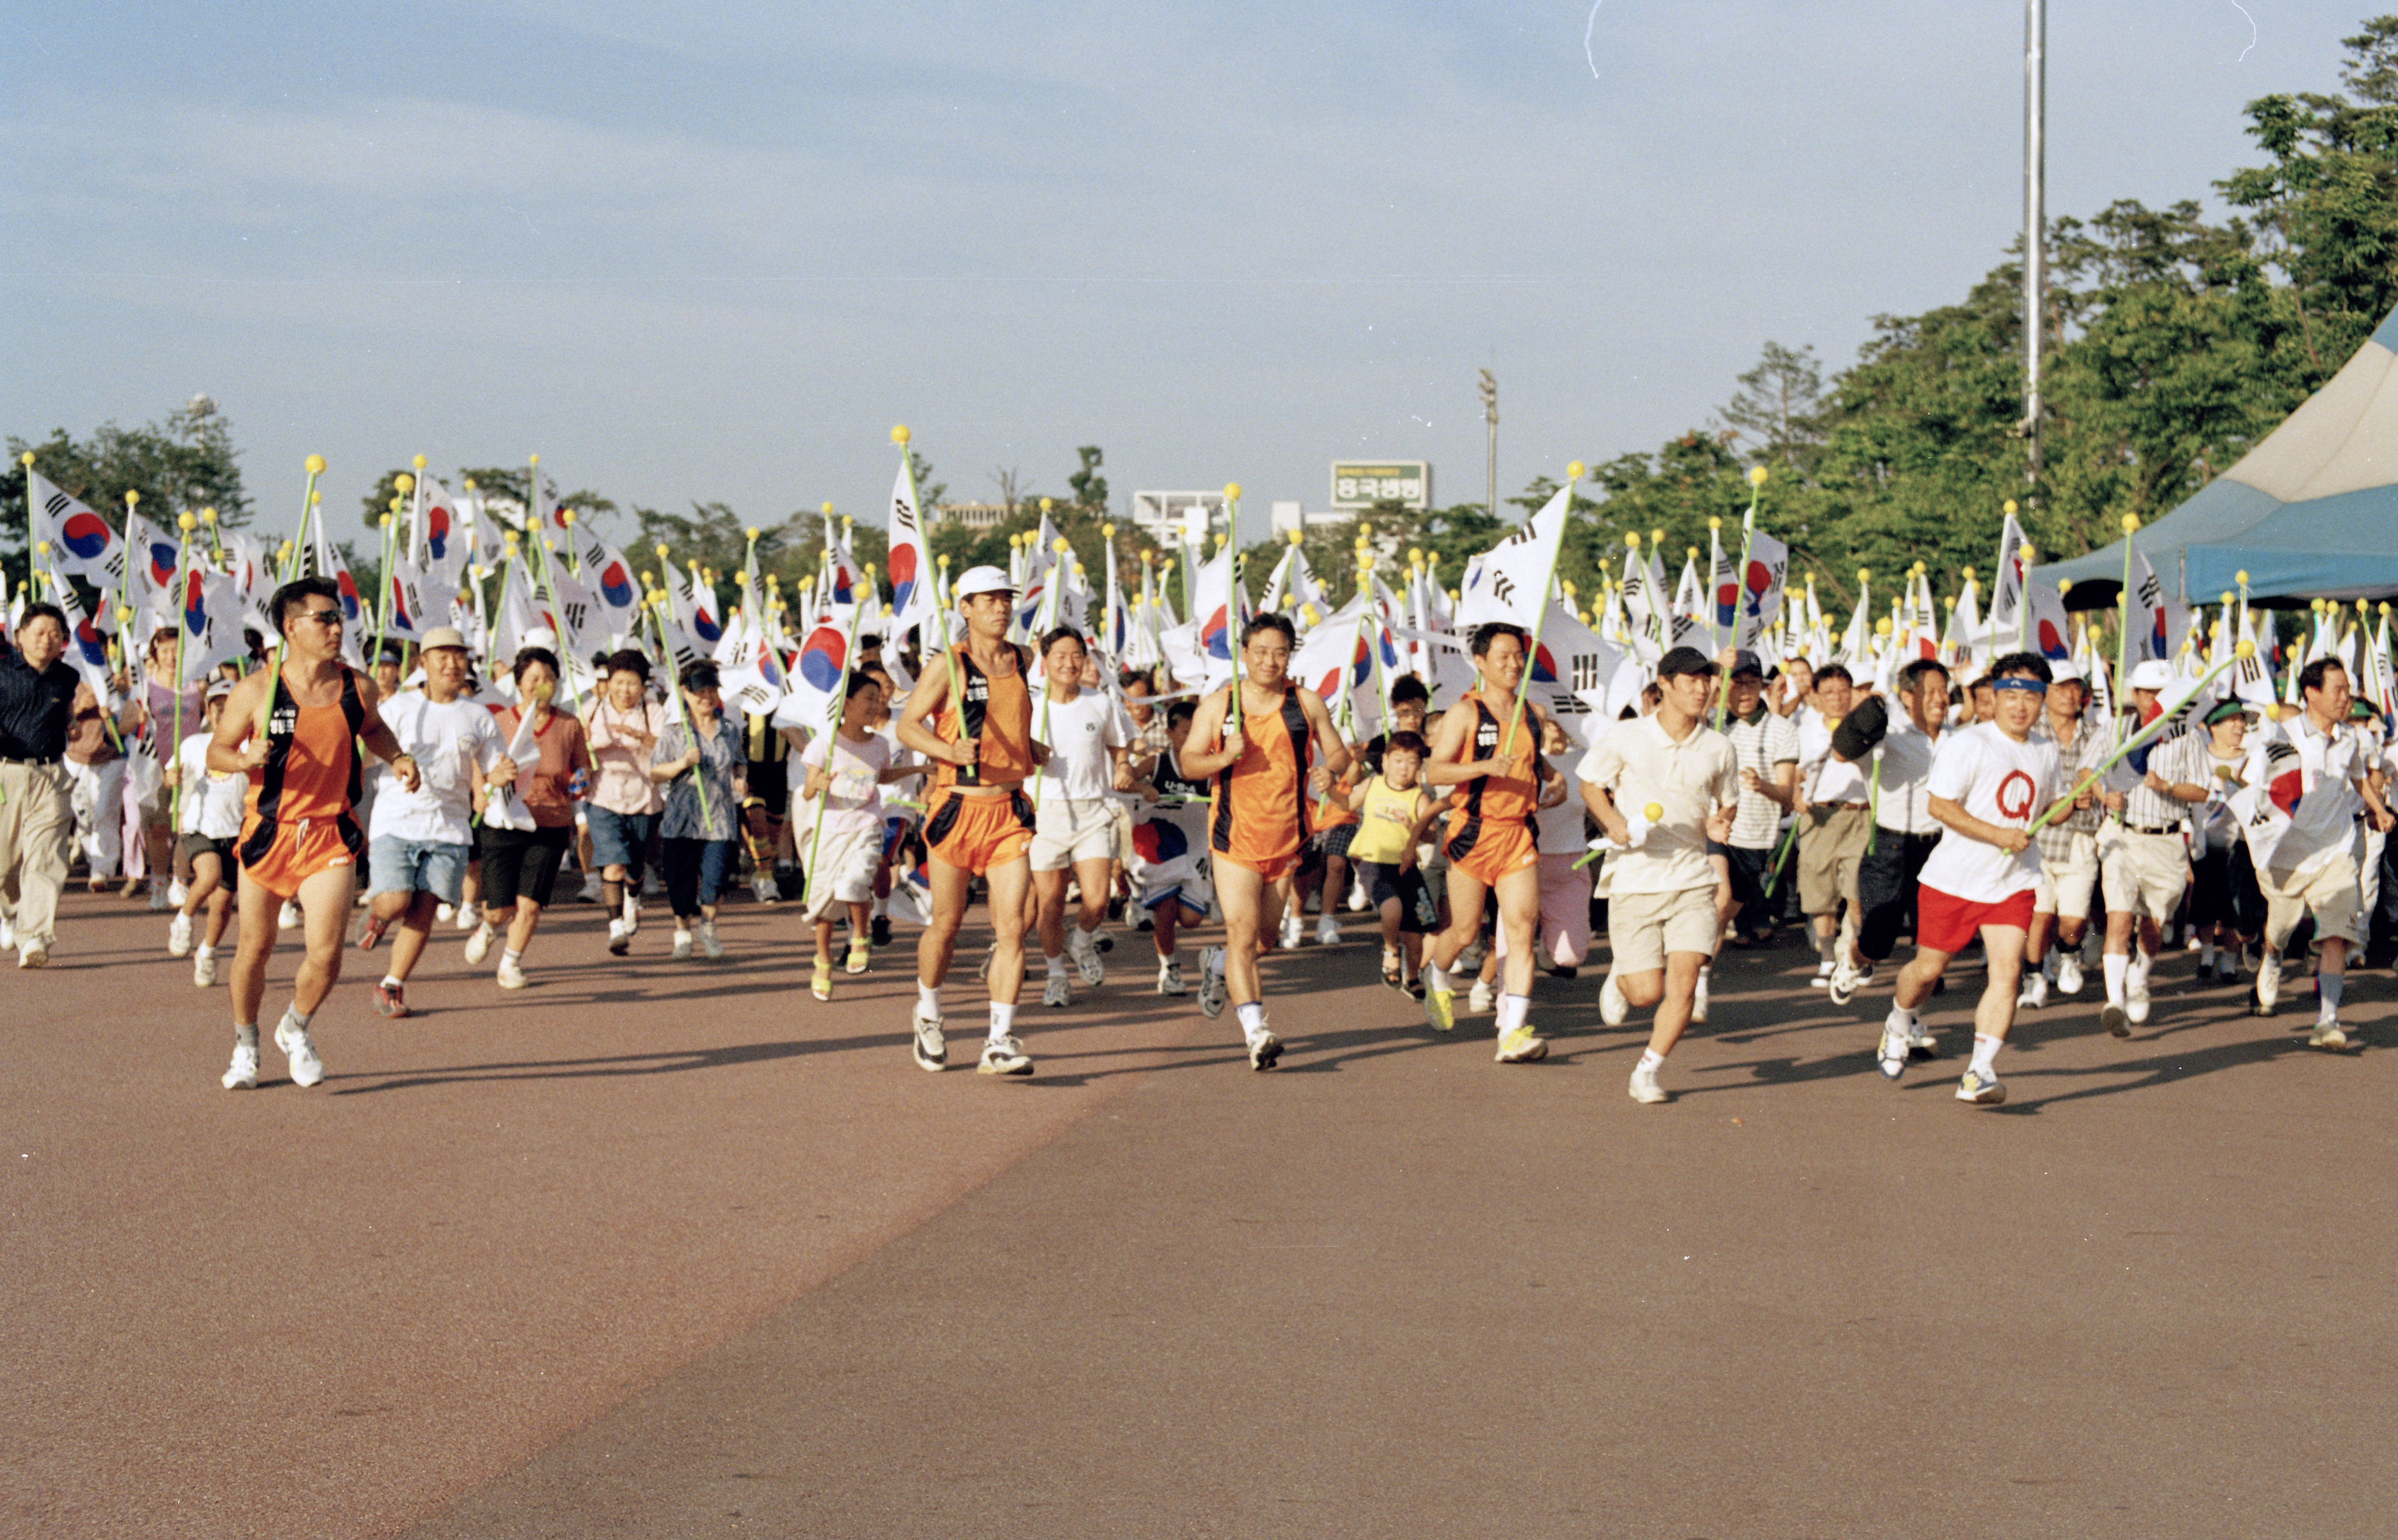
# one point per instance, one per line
(669, 1250)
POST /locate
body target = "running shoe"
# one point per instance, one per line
(2034, 993)
(307, 1068)
(242, 1073)
(1391, 966)
(1005, 1056)
(1841, 987)
(1480, 998)
(931, 1047)
(861, 955)
(1327, 930)
(1521, 1047)
(179, 935)
(1056, 992)
(2226, 970)
(1357, 901)
(510, 973)
(682, 949)
(1644, 1088)
(1891, 1058)
(466, 917)
(444, 912)
(2115, 1019)
(1086, 955)
(2328, 1035)
(710, 947)
(390, 999)
(30, 956)
(620, 941)
(288, 917)
(204, 970)
(820, 978)
(632, 916)
(2267, 990)
(1439, 1004)
(372, 933)
(1613, 1008)
(1294, 930)
(177, 893)
(2204, 978)
(1981, 1087)
(1265, 1049)
(1211, 982)
(1823, 978)
(1921, 1043)
(2135, 1002)
(1170, 978)
(2069, 973)
(479, 946)
(881, 930)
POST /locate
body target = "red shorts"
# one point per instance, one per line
(300, 850)
(1272, 869)
(978, 833)
(1946, 923)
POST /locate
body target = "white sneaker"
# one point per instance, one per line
(761, 887)
(1294, 930)
(1644, 1088)
(242, 1073)
(710, 947)
(1265, 1048)
(1005, 1056)
(1699, 998)
(2135, 1001)
(682, 949)
(1522, 1046)
(510, 975)
(478, 945)
(1481, 997)
(1921, 1042)
(1055, 992)
(2328, 1035)
(618, 942)
(1356, 897)
(1169, 978)
(307, 1068)
(179, 935)
(444, 912)
(1823, 975)
(32, 956)
(1896, 1033)
(1841, 987)
(288, 918)
(2115, 1019)
(931, 1048)
(2269, 983)
(1327, 930)
(632, 916)
(177, 893)
(1211, 982)
(2034, 993)
(2069, 974)
(1086, 954)
(1613, 1008)
(466, 917)
(204, 969)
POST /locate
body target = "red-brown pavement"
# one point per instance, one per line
(673, 1250)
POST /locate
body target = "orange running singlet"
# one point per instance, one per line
(1492, 829)
(299, 820)
(998, 710)
(1260, 818)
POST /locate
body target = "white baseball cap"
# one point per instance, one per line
(2153, 673)
(981, 580)
(2064, 671)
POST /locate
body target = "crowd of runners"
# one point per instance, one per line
(1481, 841)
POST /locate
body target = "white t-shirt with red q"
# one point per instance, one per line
(2001, 781)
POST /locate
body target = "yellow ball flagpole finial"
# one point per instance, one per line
(1298, 537)
(316, 497)
(901, 434)
(1656, 540)
(566, 516)
(1061, 544)
(2131, 522)
(470, 484)
(1574, 472)
(1108, 530)
(124, 613)
(661, 550)
(283, 550)
(315, 465)
(41, 547)
(1232, 491)
(1692, 553)
(532, 459)
(1865, 574)
(382, 521)
(2008, 507)
(2027, 554)
(1881, 626)
(26, 459)
(1632, 540)
(2246, 648)
(1415, 555)
(943, 560)
(2064, 586)
(1969, 574)
(418, 462)
(825, 508)
(1714, 523)
(752, 532)
(187, 521)
(131, 497)
(1046, 505)
(2241, 578)
(1220, 539)
(404, 483)
(208, 516)
(1756, 475)
(2223, 598)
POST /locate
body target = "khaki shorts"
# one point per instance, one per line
(1642, 927)
(2332, 890)
(2064, 886)
(1830, 843)
(2142, 873)
(1066, 832)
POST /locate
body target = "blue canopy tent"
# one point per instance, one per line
(2312, 512)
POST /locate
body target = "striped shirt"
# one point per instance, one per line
(2180, 755)
(1759, 743)
(2093, 741)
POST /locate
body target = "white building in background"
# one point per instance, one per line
(1162, 515)
(1295, 516)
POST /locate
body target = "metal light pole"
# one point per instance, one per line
(1491, 416)
(2035, 220)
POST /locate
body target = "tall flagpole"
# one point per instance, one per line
(2035, 294)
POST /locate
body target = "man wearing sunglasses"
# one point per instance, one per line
(295, 730)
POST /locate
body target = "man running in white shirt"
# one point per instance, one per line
(2143, 858)
(1990, 782)
(1903, 833)
(1679, 778)
(1073, 822)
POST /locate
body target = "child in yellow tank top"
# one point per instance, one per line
(1395, 810)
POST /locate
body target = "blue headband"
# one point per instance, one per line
(2035, 687)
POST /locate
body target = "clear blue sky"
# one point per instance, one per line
(716, 251)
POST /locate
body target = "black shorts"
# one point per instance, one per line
(1335, 838)
(1418, 911)
(193, 846)
(522, 863)
(770, 786)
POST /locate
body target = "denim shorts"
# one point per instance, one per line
(395, 865)
(618, 839)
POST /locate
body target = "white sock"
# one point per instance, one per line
(1907, 1015)
(510, 954)
(1651, 1059)
(2328, 988)
(1252, 1017)
(2206, 954)
(1056, 968)
(1439, 975)
(204, 950)
(882, 909)
(1986, 1053)
(2141, 963)
(291, 1014)
(391, 982)
(1166, 956)
(928, 1001)
(1090, 938)
(2118, 965)
(1513, 1008)
(1003, 1021)
(244, 1034)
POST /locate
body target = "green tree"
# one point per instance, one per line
(1090, 486)
(185, 461)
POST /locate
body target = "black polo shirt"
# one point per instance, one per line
(35, 708)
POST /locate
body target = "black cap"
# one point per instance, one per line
(1744, 662)
(1685, 660)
